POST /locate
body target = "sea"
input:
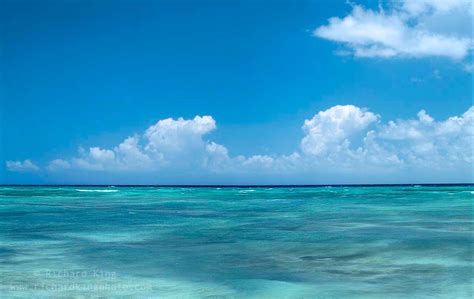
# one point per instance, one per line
(398, 241)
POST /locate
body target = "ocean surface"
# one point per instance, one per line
(313, 242)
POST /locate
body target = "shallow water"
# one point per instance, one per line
(322, 242)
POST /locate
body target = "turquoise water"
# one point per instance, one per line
(324, 242)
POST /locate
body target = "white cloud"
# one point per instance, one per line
(21, 166)
(58, 165)
(342, 140)
(175, 143)
(429, 143)
(418, 7)
(330, 129)
(171, 136)
(421, 143)
(131, 155)
(258, 161)
(409, 29)
(101, 155)
(217, 150)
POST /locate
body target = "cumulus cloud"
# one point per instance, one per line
(429, 143)
(349, 137)
(343, 139)
(21, 166)
(410, 28)
(169, 143)
(331, 128)
(170, 139)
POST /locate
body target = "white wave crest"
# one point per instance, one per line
(247, 191)
(97, 190)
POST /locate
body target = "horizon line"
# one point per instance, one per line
(235, 185)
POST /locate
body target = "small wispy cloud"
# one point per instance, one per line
(58, 165)
(21, 166)
(469, 67)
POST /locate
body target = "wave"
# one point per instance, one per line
(247, 191)
(97, 190)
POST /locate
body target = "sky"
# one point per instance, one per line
(236, 92)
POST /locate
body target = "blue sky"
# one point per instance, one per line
(78, 75)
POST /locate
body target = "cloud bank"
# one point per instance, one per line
(344, 141)
(409, 28)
